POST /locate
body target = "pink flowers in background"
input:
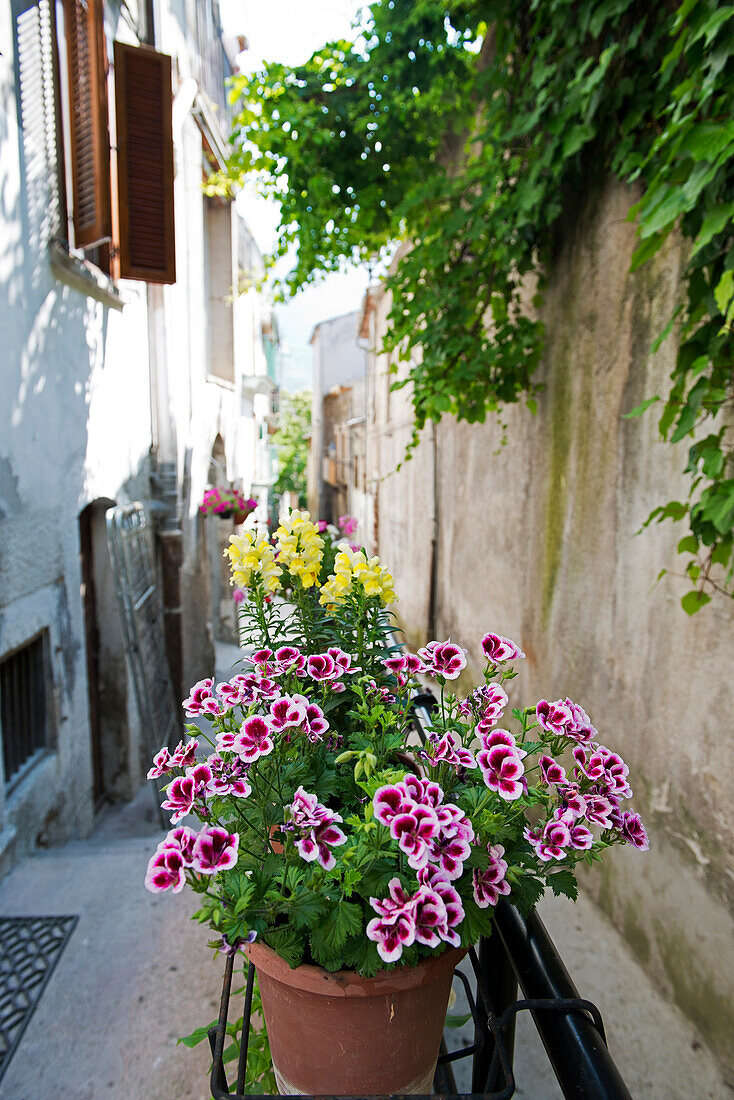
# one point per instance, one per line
(448, 750)
(633, 831)
(317, 827)
(330, 667)
(347, 525)
(443, 659)
(219, 502)
(403, 667)
(183, 756)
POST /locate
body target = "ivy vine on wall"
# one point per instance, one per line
(464, 129)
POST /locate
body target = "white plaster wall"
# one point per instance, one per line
(77, 424)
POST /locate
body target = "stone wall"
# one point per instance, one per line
(537, 540)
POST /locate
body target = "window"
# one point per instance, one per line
(120, 162)
(23, 706)
(86, 56)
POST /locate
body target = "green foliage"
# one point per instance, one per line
(291, 441)
(689, 173)
(472, 155)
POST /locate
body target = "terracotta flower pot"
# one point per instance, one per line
(239, 517)
(344, 1035)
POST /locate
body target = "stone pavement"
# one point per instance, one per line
(137, 973)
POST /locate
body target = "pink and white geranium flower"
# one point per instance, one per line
(228, 778)
(551, 841)
(253, 739)
(501, 761)
(491, 884)
(498, 649)
(449, 750)
(443, 659)
(186, 789)
(166, 871)
(318, 828)
(564, 718)
(285, 712)
(633, 831)
(215, 850)
(201, 700)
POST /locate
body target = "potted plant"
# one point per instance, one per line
(226, 503)
(354, 866)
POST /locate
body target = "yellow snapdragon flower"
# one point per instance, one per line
(252, 555)
(352, 567)
(300, 547)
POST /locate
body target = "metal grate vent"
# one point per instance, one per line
(30, 947)
(23, 710)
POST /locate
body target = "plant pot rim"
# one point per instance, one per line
(348, 983)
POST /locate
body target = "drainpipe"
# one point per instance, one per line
(433, 577)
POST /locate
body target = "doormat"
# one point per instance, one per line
(30, 947)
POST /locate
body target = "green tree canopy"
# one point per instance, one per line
(467, 129)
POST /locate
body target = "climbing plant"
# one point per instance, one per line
(466, 130)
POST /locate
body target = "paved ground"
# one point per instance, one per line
(137, 973)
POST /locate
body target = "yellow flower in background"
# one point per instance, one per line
(353, 567)
(300, 547)
(251, 554)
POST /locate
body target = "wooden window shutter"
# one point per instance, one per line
(144, 103)
(88, 121)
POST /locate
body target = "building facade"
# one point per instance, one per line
(135, 367)
(336, 473)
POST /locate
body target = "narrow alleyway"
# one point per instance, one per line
(136, 974)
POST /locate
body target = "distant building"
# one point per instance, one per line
(137, 365)
(336, 476)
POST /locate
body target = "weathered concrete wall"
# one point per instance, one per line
(537, 541)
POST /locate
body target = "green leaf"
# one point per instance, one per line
(688, 545)
(713, 224)
(342, 921)
(456, 1020)
(304, 909)
(641, 408)
(722, 552)
(694, 601)
(706, 140)
(564, 882)
(577, 137)
(197, 1036)
(527, 893)
(724, 291)
(288, 944)
(646, 250)
(666, 331)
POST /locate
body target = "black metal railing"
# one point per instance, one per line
(519, 953)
